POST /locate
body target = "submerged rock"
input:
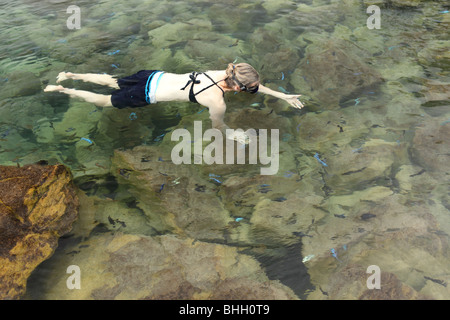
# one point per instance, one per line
(356, 166)
(399, 233)
(334, 70)
(279, 55)
(273, 210)
(415, 179)
(78, 121)
(172, 33)
(350, 283)
(406, 3)
(165, 267)
(38, 204)
(19, 84)
(431, 145)
(170, 194)
(435, 92)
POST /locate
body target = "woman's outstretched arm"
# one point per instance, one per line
(292, 99)
(217, 110)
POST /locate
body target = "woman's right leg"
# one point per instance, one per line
(101, 79)
(100, 100)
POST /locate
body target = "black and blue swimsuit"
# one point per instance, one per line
(193, 80)
(137, 90)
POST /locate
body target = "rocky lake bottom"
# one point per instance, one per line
(363, 175)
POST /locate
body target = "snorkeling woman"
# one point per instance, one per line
(151, 86)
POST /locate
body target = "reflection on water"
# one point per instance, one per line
(363, 176)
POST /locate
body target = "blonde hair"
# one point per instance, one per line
(243, 75)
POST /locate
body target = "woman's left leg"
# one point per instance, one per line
(101, 79)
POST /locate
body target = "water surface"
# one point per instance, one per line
(363, 176)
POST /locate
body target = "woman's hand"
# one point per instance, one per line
(239, 136)
(293, 100)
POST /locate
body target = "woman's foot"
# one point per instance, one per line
(52, 88)
(64, 76)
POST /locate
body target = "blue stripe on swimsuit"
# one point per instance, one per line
(154, 85)
(147, 87)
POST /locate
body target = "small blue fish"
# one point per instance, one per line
(234, 44)
(288, 174)
(132, 116)
(114, 66)
(62, 41)
(357, 101)
(320, 161)
(282, 75)
(216, 180)
(87, 140)
(202, 110)
(334, 254)
(238, 219)
(159, 138)
(214, 177)
(113, 52)
(445, 11)
(264, 188)
(286, 137)
(283, 89)
(6, 133)
(162, 187)
(298, 127)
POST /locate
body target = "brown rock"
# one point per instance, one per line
(38, 204)
(350, 283)
(392, 289)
